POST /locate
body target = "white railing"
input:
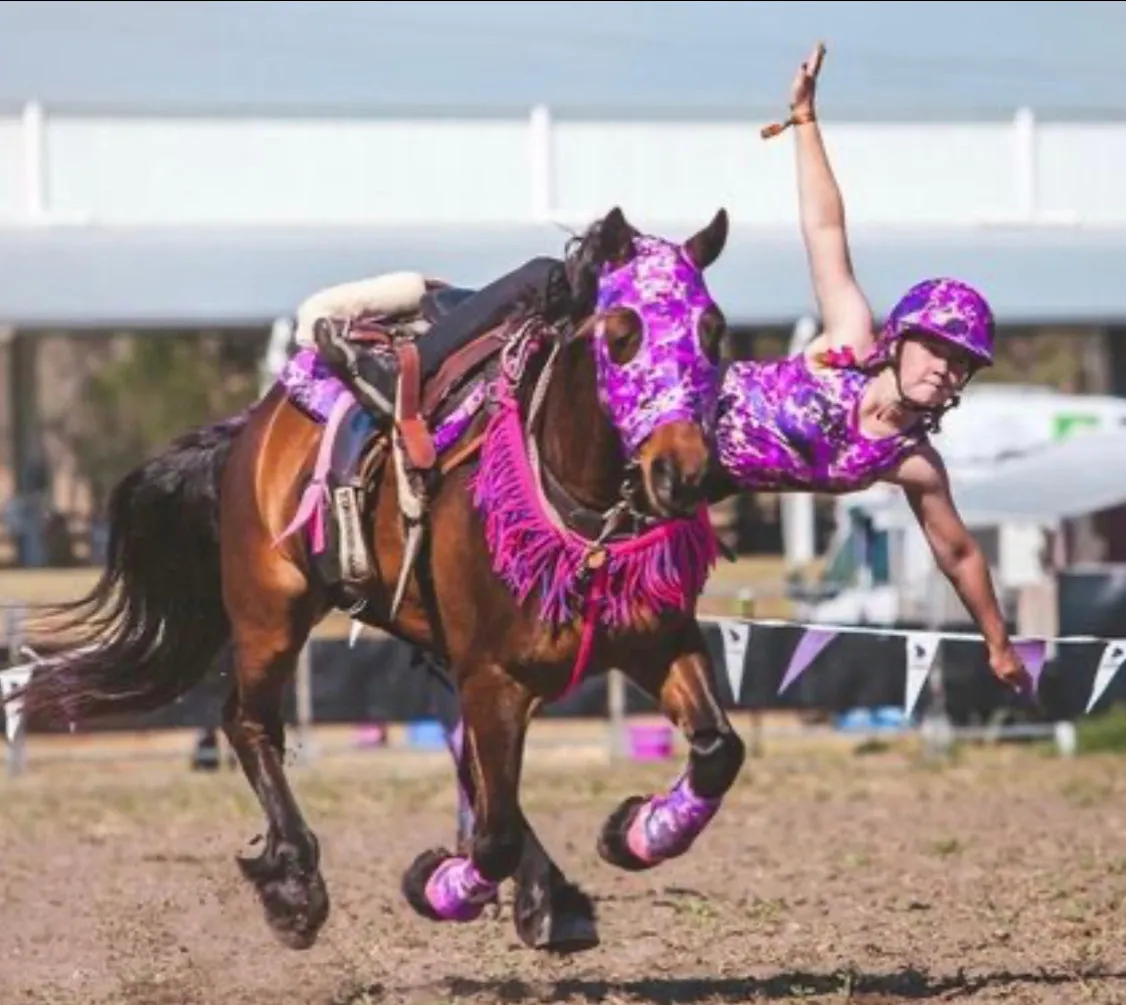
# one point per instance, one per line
(207, 169)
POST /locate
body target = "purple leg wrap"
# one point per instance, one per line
(457, 891)
(455, 741)
(667, 825)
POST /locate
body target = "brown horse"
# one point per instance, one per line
(574, 535)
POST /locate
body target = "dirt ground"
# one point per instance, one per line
(827, 877)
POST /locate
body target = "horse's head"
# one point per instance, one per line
(657, 334)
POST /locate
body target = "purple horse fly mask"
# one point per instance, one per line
(665, 368)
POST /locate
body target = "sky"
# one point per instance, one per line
(883, 58)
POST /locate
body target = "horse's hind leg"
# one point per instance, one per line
(446, 887)
(550, 912)
(643, 832)
(286, 874)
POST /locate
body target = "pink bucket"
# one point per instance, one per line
(371, 734)
(651, 742)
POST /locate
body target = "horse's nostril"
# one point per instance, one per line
(661, 472)
(672, 491)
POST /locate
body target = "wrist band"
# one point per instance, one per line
(796, 119)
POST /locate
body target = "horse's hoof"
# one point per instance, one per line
(613, 843)
(555, 919)
(417, 889)
(417, 875)
(295, 901)
(560, 934)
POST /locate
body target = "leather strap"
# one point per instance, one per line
(463, 453)
(579, 517)
(417, 441)
(457, 365)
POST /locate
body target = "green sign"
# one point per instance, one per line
(1065, 422)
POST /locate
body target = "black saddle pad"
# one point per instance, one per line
(438, 303)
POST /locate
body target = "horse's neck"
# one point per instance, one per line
(577, 443)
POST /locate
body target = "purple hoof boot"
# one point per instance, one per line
(457, 891)
(666, 826)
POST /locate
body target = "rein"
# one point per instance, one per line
(597, 524)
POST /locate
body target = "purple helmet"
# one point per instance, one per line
(947, 309)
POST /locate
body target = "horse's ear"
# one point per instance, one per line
(615, 238)
(705, 246)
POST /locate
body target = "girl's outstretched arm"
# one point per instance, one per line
(845, 315)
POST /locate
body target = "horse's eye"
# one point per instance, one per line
(623, 336)
(713, 329)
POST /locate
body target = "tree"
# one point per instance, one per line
(160, 386)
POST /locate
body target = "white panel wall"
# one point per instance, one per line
(206, 169)
(16, 192)
(957, 173)
(246, 171)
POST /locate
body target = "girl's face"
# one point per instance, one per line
(931, 371)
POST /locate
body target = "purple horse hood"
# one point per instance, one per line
(671, 377)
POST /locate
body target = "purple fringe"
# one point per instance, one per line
(664, 569)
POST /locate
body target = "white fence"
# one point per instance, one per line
(205, 168)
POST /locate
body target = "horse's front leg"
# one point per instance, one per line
(550, 912)
(446, 887)
(645, 831)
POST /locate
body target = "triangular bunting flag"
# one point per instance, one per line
(736, 636)
(1114, 655)
(807, 650)
(1032, 652)
(11, 681)
(922, 647)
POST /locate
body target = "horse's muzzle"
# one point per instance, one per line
(675, 491)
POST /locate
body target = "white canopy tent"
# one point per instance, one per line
(1075, 477)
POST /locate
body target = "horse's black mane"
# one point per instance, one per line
(583, 259)
(571, 297)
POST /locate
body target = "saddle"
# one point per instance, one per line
(388, 314)
(418, 402)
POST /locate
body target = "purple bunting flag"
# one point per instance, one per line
(807, 650)
(1032, 652)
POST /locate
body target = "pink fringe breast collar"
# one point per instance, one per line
(663, 569)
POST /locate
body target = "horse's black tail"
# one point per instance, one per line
(153, 624)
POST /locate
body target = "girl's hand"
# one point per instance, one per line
(802, 90)
(1010, 670)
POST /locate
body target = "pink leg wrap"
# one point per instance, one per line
(457, 891)
(667, 825)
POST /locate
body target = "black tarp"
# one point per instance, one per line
(385, 680)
